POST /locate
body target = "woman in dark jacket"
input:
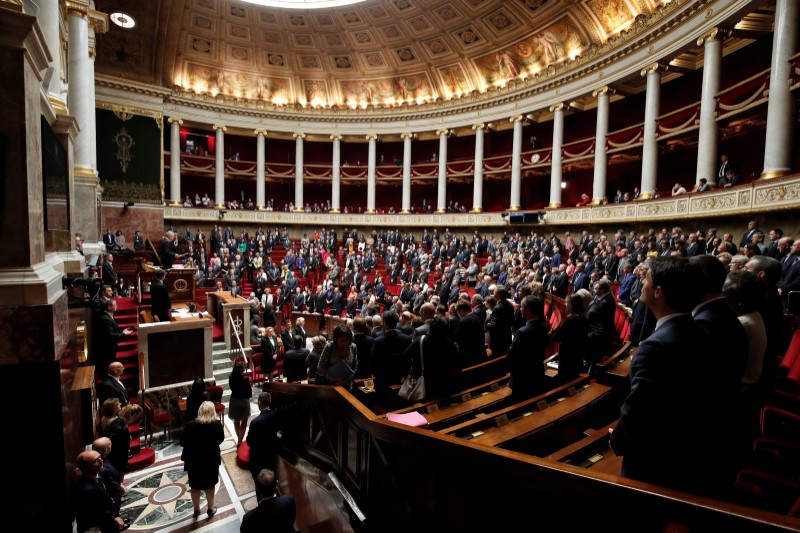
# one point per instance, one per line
(239, 406)
(117, 430)
(269, 349)
(574, 338)
(200, 441)
(436, 356)
(196, 396)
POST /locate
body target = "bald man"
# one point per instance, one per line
(109, 475)
(426, 313)
(112, 386)
(93, 505)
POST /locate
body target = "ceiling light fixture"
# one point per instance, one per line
(123, 20)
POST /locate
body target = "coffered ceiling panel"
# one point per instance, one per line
(376, 52)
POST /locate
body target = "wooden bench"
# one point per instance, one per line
(540, 402)
(493, 368)
(464, 405)
(520, 432)
(591, 452)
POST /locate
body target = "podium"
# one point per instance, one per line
(233, 312)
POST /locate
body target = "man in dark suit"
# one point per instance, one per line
(274, 513)
(109, 275)
(168, 250)
(92, 504)
(364, 343)
(338, 302)
(294, 360)
(668, 432)
(560, 285)
(109, 475)
(527, 353)
(601, 320)
(479, 309)
(790, 274)
(159, 297)
(752, 227)
(106, 337)
(469, 336)
(500, 323)
(112, 387)
(388, 364)
(262, 438)
(108, 240)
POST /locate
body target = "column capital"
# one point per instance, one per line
(98, 21)
(603, 90)
(372, 137)
(260, 132)
(220, 127)
(479, 126)
(442, 131)
(78, 8)
(557, 107)
(655, 68)
(298, 135)
(175, 120)
(516, 118)
(336, 137)
(406, 135)
(714, 34)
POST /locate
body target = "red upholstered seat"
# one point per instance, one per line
(243, 456)
(215, 393)
(155, 419)
(141, 460)
(791, 357)
(258, 370)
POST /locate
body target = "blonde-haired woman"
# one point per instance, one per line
(200, 440)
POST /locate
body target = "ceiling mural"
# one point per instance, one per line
(376, 52)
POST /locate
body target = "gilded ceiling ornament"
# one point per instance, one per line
(124, 116)
(124, 144)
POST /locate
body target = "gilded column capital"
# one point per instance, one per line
(220, 127)
(406, 135)
(175, 120)
(372, 137)
(98, 21)
(77, 8)
(603, 90)
(557, 107)
(443, 131)
(515, 118)
(336, 137)
(480, 126)
(260, 132)
(659, 68)
(714, 34)
(298, 135)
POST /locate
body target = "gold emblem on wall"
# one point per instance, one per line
(124, 143)
(180, 285)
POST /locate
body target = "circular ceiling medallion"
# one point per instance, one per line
(123, 20)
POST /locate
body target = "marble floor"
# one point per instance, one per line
(158, 498)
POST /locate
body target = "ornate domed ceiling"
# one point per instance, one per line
(376, 52)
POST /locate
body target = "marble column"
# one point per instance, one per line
(708, 140)
(556, 170)
(24, 58)
(219, 166)
(50, 20)
(406, 207)
(652, 108)
(477, 185)
(261, 199)
(336, 172)
(298, 171)
(780, 110)
(441, 197)
(175, 160)
(82, 23)
(371, 162)
(600, 138)
(516, 164)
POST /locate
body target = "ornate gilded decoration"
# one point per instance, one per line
(124, 143)
(180, 285)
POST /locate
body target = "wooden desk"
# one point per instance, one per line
(233, 312)
(331, 322)
(312, 322)
(533, 421)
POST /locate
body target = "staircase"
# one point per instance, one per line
(222, 367)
